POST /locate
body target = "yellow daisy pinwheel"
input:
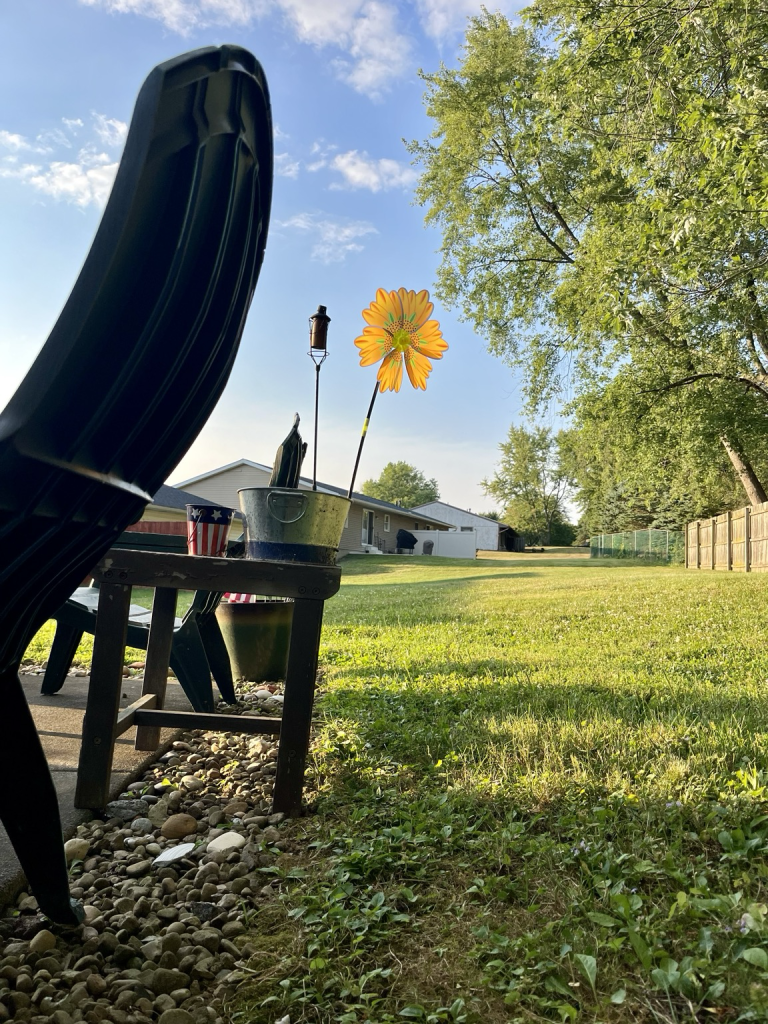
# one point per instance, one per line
(400, 332)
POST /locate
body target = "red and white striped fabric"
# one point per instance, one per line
(208, 529)
(241, 598)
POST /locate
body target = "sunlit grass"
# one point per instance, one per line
(542, 797)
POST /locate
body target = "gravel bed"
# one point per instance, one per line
(165, 881)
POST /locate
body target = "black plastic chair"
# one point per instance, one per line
(197, 651)
(129, 375)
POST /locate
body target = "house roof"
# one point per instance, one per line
(173, 498)
(357, 496)
(223, 469)
(466, 511)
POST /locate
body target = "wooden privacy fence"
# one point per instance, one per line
(731, 541)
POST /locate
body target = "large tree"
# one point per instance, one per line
(530, 484)
(599, 177)
(402, 484)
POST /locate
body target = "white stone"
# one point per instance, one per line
(227, 841)
(173, 854)
(76, 849)
(192, 783)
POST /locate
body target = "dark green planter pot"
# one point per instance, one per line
(257, 638)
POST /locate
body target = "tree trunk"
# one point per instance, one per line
(745, 473)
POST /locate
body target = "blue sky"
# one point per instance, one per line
(345, 93)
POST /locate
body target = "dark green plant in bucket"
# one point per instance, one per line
(286, 470)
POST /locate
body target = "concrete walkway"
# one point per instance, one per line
(59, 720)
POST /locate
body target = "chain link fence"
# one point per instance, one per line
(652, 545)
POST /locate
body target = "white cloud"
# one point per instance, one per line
(110, 131)
(442, 19)
(82, 179)
(377, 54)
(14, 142)
(332, 240)
(322, 151)
(381, 54)
(361, 171)
(184, 16)
(18, 143)
(78, 183)
(286, 166)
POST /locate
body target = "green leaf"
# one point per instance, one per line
(758, 957)
(639, 946)
(587, 966)
(604, 920)
(618, 997)
(415, 1012)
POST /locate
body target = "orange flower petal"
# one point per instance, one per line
(418, 368)
(371, 353)
(390, 373)
(416, 306)
(432, 348)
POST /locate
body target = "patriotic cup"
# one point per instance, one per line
(208, 529)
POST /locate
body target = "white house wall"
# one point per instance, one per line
(487, 532)
(447, 543)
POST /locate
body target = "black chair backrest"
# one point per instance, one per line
(144, 346)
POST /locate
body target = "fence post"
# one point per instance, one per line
(712, 543)
(747, 544)
(698, 544)
(729, 541)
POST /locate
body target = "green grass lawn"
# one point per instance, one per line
(542, 796)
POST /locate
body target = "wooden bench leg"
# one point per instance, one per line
(158, 655)
(297, 707)
(97, 749)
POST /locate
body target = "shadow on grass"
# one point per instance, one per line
(448, 580)
(563, 729)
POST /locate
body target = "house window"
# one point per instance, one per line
(386, 523)
(467, 529)
(415, 526)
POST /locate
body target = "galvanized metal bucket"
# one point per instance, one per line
(291, 525)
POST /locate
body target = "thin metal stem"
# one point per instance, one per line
(317, 404)
(362, 438)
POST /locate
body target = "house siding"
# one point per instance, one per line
(222, 488)
(487, 530)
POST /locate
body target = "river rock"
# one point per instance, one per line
(138, 869)
(43, 942)
(192, 783)
(76, 849)
(176, 1016)
(125, 809)
(227, 842)
(179, 825)
(158, 812)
